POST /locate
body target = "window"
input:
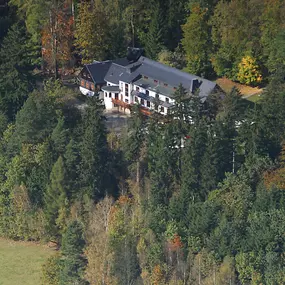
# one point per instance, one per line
(147, 92)
(87, 85)
(165, 84)
(167, 99)
(92, 87)
(148, 104)
(126, 100)
(106, 94)
(82, 83)
(127, 86)
(142, 101)
(145, 77)
(116, 96)
(137, 88)
(174, 88)
(162, 109)
(136, 99)
(108, 84)
(155, 81)
(110, 95)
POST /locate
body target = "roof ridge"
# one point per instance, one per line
(169, 68)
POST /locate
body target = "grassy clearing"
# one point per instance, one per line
(21, 262)
(246, 91)
(254, 98)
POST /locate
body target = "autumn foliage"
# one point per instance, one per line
(57, 36)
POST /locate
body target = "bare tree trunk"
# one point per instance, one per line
(133, 28)
(138, 172)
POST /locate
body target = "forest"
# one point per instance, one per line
(139, 207)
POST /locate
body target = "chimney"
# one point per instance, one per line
(195, 84)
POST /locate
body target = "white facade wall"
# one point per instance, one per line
(85, 91)
(122, 86)
(108, 101)
(130, 99)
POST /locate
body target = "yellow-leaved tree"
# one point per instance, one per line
(249, 71)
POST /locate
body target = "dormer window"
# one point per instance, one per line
(147, 92)
(155, 81)
(145, 77)
(175, 88)
(167, 99)
(165, 84)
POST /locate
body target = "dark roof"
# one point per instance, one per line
(160, 72)
(111, 88)
(98, 69)
(134, 68)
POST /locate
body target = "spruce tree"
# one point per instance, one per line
(56, 203)
(59, 135)
(72, 162)
(94, 172)
(153, 39)
(135, 139)
(196, 41)
(73, 262)
(15, 71)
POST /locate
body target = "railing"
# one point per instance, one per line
(121, 103)
(145, 111)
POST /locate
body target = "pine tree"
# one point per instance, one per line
(56, 203)
(73, 262)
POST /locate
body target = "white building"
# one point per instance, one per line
(139, 80)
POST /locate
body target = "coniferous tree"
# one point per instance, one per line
(94, 172)
(153, 39)
(196, 42)
(59, 135)
(72, 162)
(56, 203)
(15, 70)
(135, 140)
(73, 262)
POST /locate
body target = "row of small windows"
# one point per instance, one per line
(142, 102)
(156, 81)
(88, 85)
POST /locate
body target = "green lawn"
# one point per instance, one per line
(254, 98)
(20, 262)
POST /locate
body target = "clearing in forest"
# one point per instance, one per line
(21, 262)
(247, 92)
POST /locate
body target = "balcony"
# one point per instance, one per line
(145, 111)
(121, 103)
